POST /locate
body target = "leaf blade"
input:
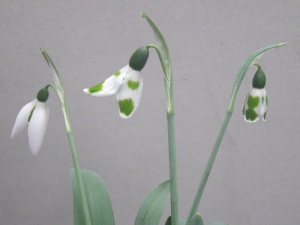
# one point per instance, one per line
(153, 205)
(197, 220)
(97, 198)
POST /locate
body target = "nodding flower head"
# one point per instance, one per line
(126, 84)
(255, 106)
(36, 115)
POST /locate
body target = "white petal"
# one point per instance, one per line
(129, 95)
(256, 92)
(22, 118)
(37, 127)
(260, 109)
(110, 86)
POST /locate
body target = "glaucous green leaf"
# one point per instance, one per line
(97, 198)
(197, 220)
(152, 208)
(169, 222)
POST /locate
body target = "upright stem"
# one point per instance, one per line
(208, 167)
(59, 90)
(172, 146)
(171, 136)
(172, 169)
(76, 165)
(239, 78)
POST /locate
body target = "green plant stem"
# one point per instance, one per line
(172, 147)
(172, 169)
(76, 165)
(208, 167)
(59, 90)
(74, 156)
(171, 137)
(239, 78)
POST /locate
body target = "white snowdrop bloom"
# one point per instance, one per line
(256, 103)
(126, 84)
(36, 115)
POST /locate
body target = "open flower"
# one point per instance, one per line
(255, 106)
(126, 84)
(36, 114)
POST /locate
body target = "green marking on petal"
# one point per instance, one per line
(96, 88)
(126, 106)
(30, 115)
(265, 114)
(133, 85)
(267, 100)
(251, 114)
(253, 101)
(117, 73)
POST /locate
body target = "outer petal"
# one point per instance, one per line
(110, 86)
(37, 127)
(22, 118)
(255, 105)
(130, 93)
(262, 110)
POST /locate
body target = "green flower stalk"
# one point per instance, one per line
(239, 78)
(165, 60)
(59, 90)
(127, 85)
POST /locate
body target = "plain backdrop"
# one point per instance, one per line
(255, 179)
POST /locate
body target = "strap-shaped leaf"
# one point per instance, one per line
(153, 205)
(97, 197)
(197, 220)
(169, 221)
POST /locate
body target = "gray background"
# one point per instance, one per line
(255, 179)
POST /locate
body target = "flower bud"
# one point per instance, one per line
(43, 94)
(259, 79)
(139, 59)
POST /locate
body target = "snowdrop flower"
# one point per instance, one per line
(126, 84)
(36, 114)
(255, 106)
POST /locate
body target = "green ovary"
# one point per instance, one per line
(133, 85)
(251, 114)
(253, 102)
(96, 88)
(126, 106)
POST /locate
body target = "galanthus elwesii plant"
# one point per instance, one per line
(91, 202)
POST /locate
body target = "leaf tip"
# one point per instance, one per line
(143, 14)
